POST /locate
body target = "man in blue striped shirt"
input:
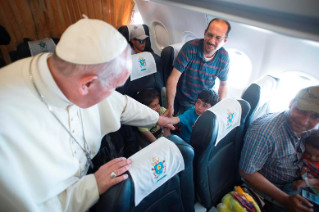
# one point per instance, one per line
(197, 66)
(271, 155)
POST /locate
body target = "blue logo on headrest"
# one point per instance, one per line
(230, 118)
(142, 63)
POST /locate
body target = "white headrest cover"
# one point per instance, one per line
(39, 46)
(131, 27)
(153, 166)
(267, 86)
(143, 65)
(228, 113)
(177, 47)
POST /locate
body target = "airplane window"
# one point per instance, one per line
(188, 35)
(290, 83)
(160, 36)
(239, 69)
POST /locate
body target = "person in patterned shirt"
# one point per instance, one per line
(197, 66)
(273, 147)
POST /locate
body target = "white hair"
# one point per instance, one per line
(107, 72)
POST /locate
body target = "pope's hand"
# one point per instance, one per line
(115, 167)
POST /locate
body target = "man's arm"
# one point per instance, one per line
(222, 90)
(171, 91)
(292, 203)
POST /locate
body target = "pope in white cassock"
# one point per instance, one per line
(55, 109)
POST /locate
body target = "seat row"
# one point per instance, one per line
(211, 158)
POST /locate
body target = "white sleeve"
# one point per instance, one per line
(81, 195)
(120, 109)
(137, 114)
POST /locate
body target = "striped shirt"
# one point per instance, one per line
(197, 74)
(273, 149)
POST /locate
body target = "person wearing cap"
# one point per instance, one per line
(273, 146)
(138, 40)
(55, 109)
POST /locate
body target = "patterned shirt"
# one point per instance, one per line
(197, 74)
(273, 149)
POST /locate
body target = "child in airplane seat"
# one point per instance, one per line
(150, 97)
(310, 170)
(205, 100)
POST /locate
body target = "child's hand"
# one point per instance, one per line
(299, 184)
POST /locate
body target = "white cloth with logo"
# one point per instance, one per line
(228, 113)
(162, 155)
(40, 46)
(143, 65)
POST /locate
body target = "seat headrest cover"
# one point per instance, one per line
(131, 28)
(143, 65)
(90, 41)
(267, 86)
(153, 166)
(228, 113)
(39, 46)
(177, 47)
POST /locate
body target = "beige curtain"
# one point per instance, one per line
(38, 19)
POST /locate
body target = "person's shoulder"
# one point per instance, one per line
(191, 109)
(223, 53)
(267, 124)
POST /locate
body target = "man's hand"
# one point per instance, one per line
(165, 122)
(299, 184)
(296, 203)
(103, 175)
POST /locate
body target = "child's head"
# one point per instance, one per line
(312, 146)
(149, 97)
(205, 100)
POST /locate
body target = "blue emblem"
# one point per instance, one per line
(159, 168)
(230, 118)
(142, 63)
(43, 46)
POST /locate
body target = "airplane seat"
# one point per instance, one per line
(126, 29)
(177, 194)
(168, 56)
(217, 139)
(31, 48)
(258, 95)
(146, 73)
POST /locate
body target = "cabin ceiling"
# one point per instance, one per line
(289, 17)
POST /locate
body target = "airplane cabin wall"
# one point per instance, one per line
(269, 52)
